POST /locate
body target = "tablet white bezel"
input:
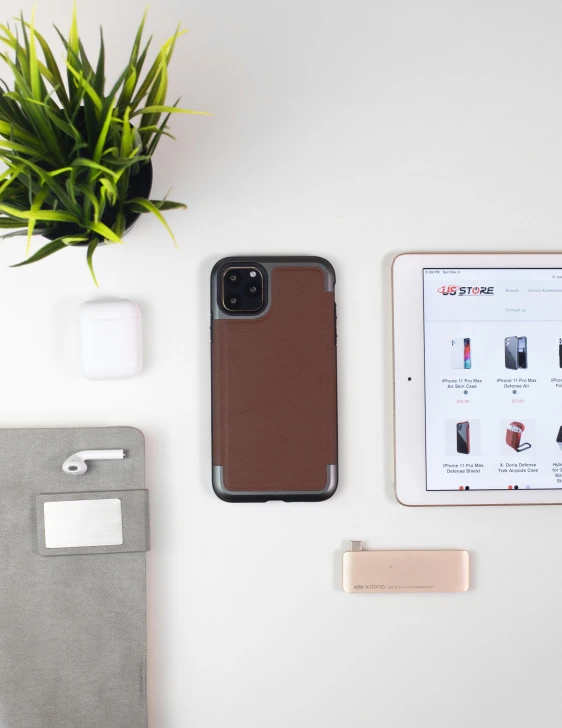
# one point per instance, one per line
(409, 386)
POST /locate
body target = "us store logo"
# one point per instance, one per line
(466, 290)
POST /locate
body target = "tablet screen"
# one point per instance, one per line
(493, 378)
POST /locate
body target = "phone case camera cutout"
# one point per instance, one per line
(243, 289)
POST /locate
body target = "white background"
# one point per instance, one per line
(354, 130)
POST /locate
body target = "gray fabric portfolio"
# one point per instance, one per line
(72, 619)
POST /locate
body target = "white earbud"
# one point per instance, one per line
(76, 464)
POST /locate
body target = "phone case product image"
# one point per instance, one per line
(467, 354)
(513, 437)
(559, 438)
(522, 357)
(458, 353)
(463, 438)
(560, 353)
(511, 352)
(274, 383)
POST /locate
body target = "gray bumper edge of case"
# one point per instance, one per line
(330, 487)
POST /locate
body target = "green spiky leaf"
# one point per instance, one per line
(167, 109)
(92, 245)
(43, 252)
(139, 202)
(106, 232)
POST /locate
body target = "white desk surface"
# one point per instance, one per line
(353, 130)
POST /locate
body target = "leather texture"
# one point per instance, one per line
(512, 438)
(274, 388)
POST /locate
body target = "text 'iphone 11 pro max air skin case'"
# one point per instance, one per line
(273, 351)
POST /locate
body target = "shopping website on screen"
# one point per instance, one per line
(493, 378)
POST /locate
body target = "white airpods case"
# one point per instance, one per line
(110, 339)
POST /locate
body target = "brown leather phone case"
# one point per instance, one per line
(274, 386)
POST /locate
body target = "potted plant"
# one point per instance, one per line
(77, 155)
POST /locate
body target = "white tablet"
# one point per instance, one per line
(478, 378)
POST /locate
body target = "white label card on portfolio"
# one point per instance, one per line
(82, 523)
